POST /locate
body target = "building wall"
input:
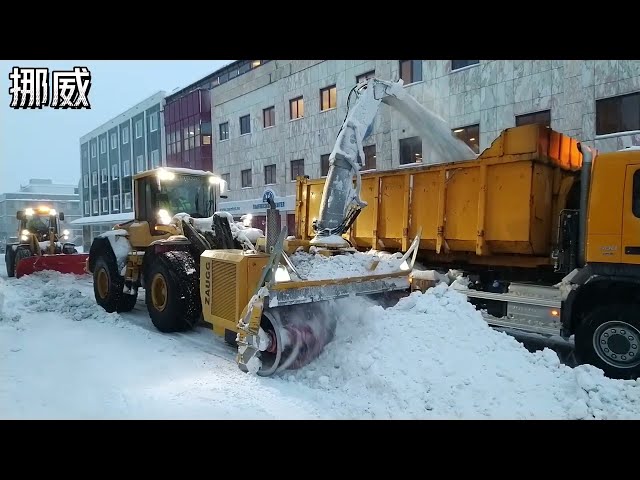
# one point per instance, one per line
(487, 94)
(114, 152)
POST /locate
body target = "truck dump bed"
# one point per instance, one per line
(500, 209)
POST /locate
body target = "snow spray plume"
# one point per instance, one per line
(434, 130)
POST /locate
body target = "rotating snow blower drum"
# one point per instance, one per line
(292, 337)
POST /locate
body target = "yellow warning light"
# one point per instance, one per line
(555, 313)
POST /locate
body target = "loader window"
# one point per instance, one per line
(40, 223)
(635, 199)
(186, 194)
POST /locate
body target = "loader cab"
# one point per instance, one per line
(40, 222)
(162, 193)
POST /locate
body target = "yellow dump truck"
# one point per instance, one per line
(547, 231)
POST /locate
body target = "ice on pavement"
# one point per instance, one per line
(430, 356)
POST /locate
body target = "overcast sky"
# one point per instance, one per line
(45, 143)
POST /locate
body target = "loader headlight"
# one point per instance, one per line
(214, 180)
(282, 274)
(52, 212)
(163, 217)
(28, 211)
(24, 238)
(65, 232)
(65, 237)
(25, 232)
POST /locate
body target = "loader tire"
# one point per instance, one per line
(108, 285)
(609, 339)
(172, 293)
(9, 261)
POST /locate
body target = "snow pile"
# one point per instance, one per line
(54, 292)
(315, 266)
(433, 356)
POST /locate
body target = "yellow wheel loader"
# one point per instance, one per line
(160, 251)
(196, 264)
(41, 245)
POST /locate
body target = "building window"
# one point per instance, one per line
(153, 121)
(469, 135)
(126, 168)
(114, 140)
(105, 205)
(297, 169)
(227, 178)
(125, 135)
(94, 178)
(542, 118)
(86, 208)
(85, 180)
(245, 125)
(270, 174)
(328, 98)
(95, 205)
(246, 178)
(369, 157)
(458, 64)
(139, 129)
(140, 166)
(93, 150)
(103, 145)
(127, 201)
(114, 171)
(115, 202)
(105, 176)
(269, 117)
(155, 158)
(296, 108)
(365, 76)
(410, 71)
(410, 150)
(618, 114)
(324, 165)
(224, 131)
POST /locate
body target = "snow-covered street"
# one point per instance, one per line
(430, 356)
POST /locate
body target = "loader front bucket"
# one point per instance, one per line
(63, 263)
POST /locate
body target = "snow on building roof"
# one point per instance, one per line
(112, 218)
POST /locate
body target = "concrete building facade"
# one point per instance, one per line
(64, 198)
(110, 155)
(281, 119)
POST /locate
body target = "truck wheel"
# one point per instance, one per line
(609, 338)
(108, 285)
(172, 292)
(9, 260)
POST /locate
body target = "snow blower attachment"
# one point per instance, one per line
(286, 320)
(42, 246)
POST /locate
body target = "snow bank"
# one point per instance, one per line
(50, 291)
(433, 356)
(315, 266)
